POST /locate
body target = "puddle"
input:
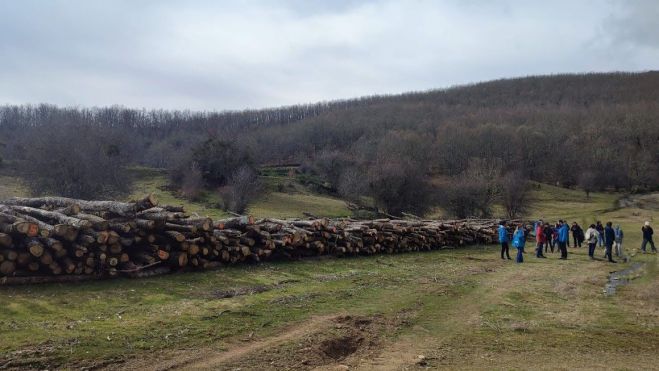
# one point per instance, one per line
(621, 278)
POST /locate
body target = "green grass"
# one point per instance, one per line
(292, 205)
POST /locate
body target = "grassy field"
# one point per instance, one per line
(452, 309)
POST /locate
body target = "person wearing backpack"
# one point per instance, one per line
(519, 240)
(591, 239)
(618, 241)
(503, 240)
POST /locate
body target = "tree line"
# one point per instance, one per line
(460, 147)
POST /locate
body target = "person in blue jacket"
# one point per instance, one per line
(519, 239)
(563, 236)
(503, 239)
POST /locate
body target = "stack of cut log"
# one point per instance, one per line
(42, 239)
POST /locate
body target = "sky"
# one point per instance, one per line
(228, 55)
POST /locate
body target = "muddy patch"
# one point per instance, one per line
(341, 347)
(342, 341)
(621, 278)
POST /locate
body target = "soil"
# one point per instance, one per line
(329, 342)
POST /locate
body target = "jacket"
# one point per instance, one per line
(619, 234)
(503, 234)
(548, 233)
(577, 232)
(592, 235)
(609, 235)
(519, 239)
(563, 233)
(647, 232)
(540, 236)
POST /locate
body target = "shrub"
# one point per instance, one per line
(243, 186)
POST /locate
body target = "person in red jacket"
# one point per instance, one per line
(540, 239)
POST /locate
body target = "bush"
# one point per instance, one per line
(192, 183)
(81, 162)
(218, 160)
(398, 187)
(465, 197)
(243, 186)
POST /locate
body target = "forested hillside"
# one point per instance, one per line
(593, 130)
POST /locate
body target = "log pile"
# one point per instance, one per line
(61, 239)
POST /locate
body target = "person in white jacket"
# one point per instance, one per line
(592, 236)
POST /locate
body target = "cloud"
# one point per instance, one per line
(208, 55)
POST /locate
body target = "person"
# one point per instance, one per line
(536, 224)
(519, 239)
(554, 235)
(647, 237)
(600, 231)
(503, 239)
(609, 237)
(592, 238)
(548, 237)
(581, 236)
(563, 236)
(540, 239)
(577, 234)
(618, 241)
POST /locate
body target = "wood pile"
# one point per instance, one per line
(61, 239)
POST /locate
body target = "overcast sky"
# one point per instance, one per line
(214, 55)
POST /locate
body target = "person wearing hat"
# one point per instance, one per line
(647, 237)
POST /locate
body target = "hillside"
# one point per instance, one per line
(595, 131)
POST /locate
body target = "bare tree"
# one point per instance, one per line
(514, 193)
(243, 186)
(588, 182)
(352, 184)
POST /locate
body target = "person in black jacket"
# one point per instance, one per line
(609, 239)
(577, 234)
(548, 231)
(647, 237)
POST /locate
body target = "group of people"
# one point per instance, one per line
(548, 237)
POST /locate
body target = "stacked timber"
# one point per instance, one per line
(62, 239)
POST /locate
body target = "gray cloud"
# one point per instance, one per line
(209, 55)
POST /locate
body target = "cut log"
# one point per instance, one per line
(7, 268)
(98, 223)
(235, 223)
(55, 216)
(5, 240)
